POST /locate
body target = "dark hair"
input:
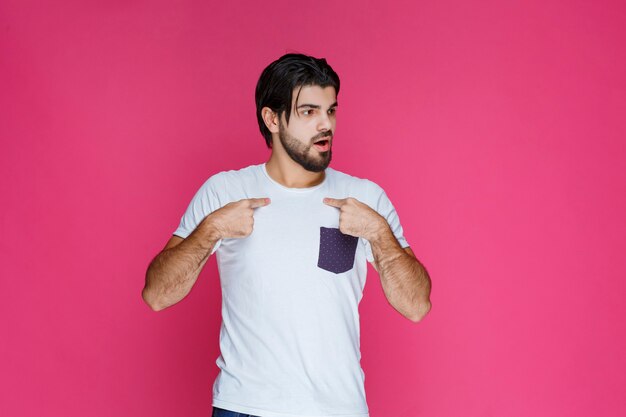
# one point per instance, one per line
(279, 79)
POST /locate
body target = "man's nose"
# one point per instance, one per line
(324, 122)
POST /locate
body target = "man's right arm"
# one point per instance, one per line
(173, 272)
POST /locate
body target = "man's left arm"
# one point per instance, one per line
(404, 279)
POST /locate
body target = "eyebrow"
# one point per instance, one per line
(315, 106)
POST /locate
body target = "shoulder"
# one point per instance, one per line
(363, 189)
(231, 176)
(342, 178)
(239, 174)
(213, 182)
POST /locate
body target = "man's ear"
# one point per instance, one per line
(270, 118)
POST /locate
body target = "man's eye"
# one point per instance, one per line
(307, 112)
(332, 111)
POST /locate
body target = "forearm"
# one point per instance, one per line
(404, 279)
(174, 271)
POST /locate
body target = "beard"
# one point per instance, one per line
(300, 152)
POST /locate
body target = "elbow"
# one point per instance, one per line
(150, 300)
(421, 312)
(150, 294)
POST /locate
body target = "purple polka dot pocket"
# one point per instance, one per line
(337, 250)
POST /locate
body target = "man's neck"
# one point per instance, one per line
(291, 174)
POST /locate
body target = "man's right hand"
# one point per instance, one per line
(235, 219)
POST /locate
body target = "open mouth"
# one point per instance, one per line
(322, 145)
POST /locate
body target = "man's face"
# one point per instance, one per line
(312, 119)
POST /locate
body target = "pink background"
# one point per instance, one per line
(496, 128)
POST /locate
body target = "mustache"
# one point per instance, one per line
(322, 135)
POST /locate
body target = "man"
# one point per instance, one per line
(292, 236)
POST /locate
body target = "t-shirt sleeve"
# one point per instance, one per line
(384, 207)
(203, 203)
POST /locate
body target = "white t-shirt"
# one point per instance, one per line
(290, 337)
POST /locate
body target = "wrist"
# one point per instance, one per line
(210, 229)
(380, 230)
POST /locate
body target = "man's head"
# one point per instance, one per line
(306, 88)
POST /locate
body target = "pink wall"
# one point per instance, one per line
(497, 129)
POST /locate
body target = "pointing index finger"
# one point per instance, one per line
(258, 202)
(335, 202)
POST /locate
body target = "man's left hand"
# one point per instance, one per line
(356, 218)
